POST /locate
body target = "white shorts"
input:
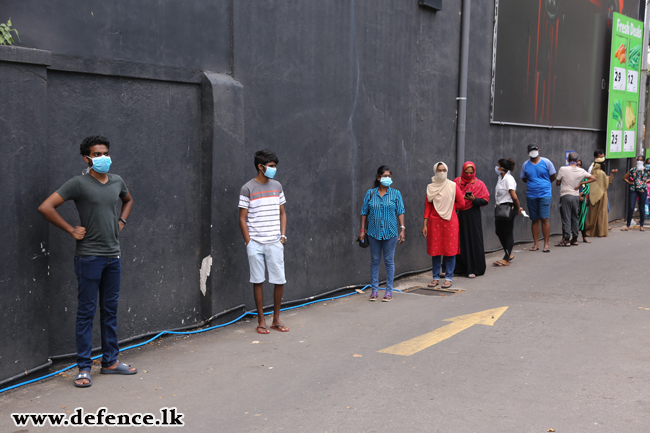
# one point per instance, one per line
(273, 255)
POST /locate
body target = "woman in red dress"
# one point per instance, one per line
(441, 223)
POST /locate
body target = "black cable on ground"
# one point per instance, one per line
(27, 373)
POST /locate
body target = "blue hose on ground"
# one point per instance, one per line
(248, 313)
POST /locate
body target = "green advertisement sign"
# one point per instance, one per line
(625, 68)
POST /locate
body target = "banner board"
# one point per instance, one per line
(624, 86)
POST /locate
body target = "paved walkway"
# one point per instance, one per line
(569, 353)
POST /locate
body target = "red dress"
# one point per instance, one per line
(442, 235)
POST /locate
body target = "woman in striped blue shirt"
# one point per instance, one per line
(383, 208)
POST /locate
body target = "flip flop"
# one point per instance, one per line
(471, 276)
(446, 285)
(264, 330)
(533, 249)
(562, 244)
(500, 263)
(122, 368)
(586, 241)
(624, 229)
(432, 284)
(546, 250)
(83, 375)
(280, 328)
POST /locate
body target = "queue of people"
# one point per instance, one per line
(452, 212)
(452, 228)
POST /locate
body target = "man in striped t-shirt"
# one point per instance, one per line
(263, 223)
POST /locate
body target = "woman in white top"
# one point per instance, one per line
(505, 192)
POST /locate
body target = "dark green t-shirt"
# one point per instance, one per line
(97, 207)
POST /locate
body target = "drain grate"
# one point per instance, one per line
(428, 291)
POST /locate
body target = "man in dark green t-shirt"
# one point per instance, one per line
(97, 259)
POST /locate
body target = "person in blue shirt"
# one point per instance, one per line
(383, 208)
(539, 174)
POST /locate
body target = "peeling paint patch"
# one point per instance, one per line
(204, 272)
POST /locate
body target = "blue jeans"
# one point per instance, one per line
(97, 275)
(436, 263)
(641, 196)
(376, 247)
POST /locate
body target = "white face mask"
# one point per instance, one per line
(441, 175)
(639, 165)
(533, 154)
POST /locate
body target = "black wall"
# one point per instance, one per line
(335, 88)
(23, 236)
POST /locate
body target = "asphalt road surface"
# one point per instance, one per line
(563, 347)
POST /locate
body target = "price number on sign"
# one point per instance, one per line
(632, 81)
(615, 141)
(628, 141)
(619, 79)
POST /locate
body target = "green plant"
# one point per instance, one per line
(5, 33)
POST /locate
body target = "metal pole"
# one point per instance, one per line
(462, 87)
(643, 140)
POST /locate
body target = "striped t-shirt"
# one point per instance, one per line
(263, 201)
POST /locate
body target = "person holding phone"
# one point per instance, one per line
(471, 259)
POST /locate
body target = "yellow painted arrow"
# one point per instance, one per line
(459, 323)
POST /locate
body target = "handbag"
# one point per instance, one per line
(504, 211)
(365, 243)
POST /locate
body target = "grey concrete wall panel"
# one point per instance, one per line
(23, 238)
(186, 33)
(154, 129)
(223, 110)
(338, 89)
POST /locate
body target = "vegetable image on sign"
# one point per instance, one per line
(635, 57)
(617, 114)
(630, 117)
(620, 54)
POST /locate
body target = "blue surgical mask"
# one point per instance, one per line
(496, 169)
(386, 181)
(270, 171)
(647, 166)
(101, 164)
